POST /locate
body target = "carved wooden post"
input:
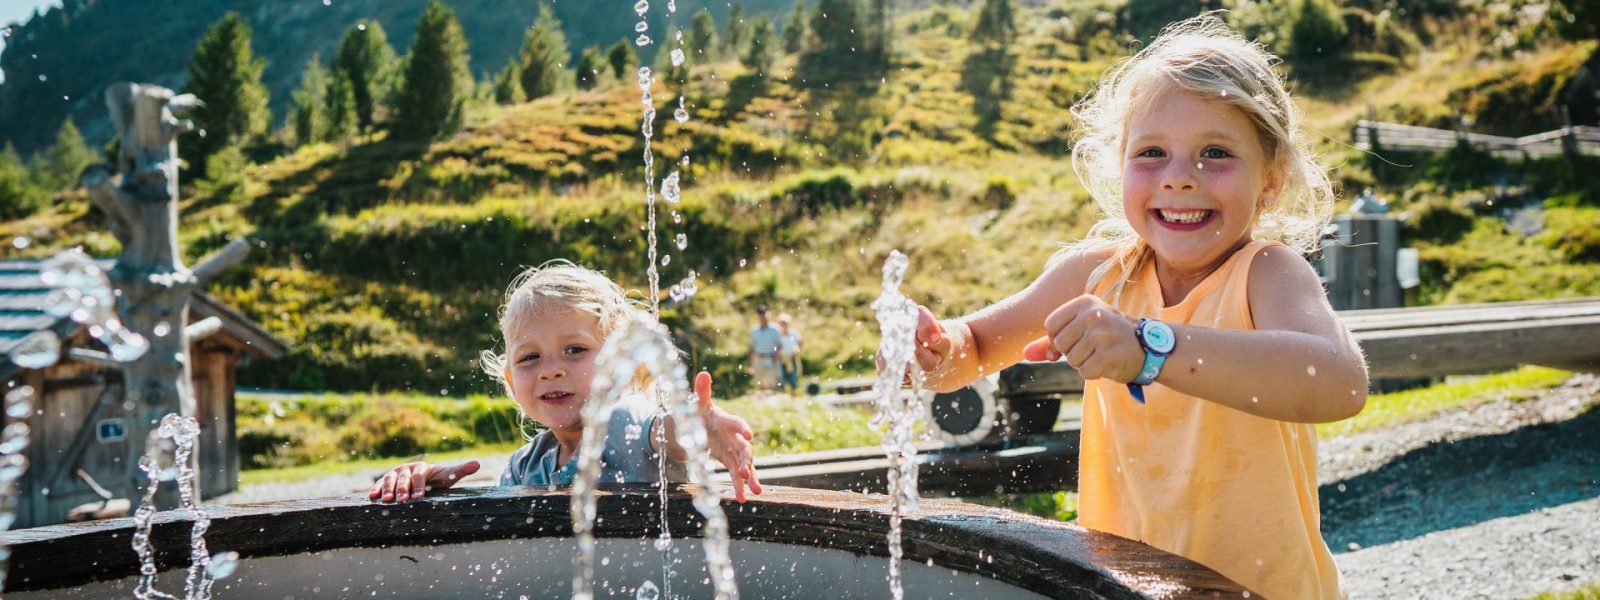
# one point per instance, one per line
(141, 201)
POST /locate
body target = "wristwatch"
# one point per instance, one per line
(1158, 341)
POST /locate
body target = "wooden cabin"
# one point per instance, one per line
(80, 459)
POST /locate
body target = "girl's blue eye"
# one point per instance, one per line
(576, 349)
(1215, 153)
(528, 357)
(1151, 153)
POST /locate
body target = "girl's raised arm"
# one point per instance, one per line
(957, 352)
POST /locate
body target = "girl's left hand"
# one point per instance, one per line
(1095, 338)
(728, 438)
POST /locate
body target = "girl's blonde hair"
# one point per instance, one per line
(1204, 57)
(561, 284)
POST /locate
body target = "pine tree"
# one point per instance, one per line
(65, 160)
(877, 23)
(837, 26)
(622, 57)
(703, 35)
(19, 197)
(544, 56)
(996, 23)
(735, 34)
(794, 29)
(589, 65)
(308, 118)
(340, 108)
(368, 63)
(436, 75)
(758, 55)
(508, 84)
(226, 76)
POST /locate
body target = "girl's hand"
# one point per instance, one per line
(932, 345)
(411, 481)
(728, 439)
(1096, 339)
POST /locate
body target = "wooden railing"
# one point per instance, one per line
(1394, 136)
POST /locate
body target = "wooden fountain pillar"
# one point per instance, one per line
(139, 196)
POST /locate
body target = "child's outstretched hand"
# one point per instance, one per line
(933, 346)
(728, 438)
(411, 481)
(1096, 339)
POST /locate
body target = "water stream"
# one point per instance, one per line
(645, 344)
(898, 409)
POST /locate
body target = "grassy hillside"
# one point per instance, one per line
(382, 262)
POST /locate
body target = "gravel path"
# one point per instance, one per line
(1498, 501)
(1501, 500)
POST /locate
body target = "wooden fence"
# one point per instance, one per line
(1578, 139)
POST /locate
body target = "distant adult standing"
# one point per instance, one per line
(788, 354)
(765, 341)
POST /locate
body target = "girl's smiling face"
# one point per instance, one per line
(1194, 176)
(551, 362)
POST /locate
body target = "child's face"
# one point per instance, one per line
(550, 364)
(1194, 175)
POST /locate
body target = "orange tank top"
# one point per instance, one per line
(1232, 491)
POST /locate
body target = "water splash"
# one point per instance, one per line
(168, 454)
(644, 343)
(686, 289)
(84, 294)
(681, 241)
(898, 409)
(677, 57)
(13, 463)
(39, 350)
(647, 591)
(670, 190)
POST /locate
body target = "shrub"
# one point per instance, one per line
(1316, 30)
(387, 429)
(1439, 221)
(283, 442)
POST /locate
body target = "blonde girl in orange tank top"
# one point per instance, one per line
(1206, 340)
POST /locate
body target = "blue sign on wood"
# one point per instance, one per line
(111, 430)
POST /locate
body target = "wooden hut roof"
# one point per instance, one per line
(24, 297)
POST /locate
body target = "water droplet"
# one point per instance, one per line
(644, 76)
(21, 242)
(1200, 166)
(684, 161)
(641, 26)
(641, 7)
(37, 351)
(647, 591)
(361, 26)
(327, 2)
(677, 57)
(741, 263)
(670, 190)
(681, 241)
(42, 77)
(161, 329)
(666, 260)
(643, 40)
(1311, 370)
(681, 115)
(1255, 399)
(1224, 93)
(223, 564)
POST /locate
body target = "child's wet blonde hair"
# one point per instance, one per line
(561, 284)
(1204, 57)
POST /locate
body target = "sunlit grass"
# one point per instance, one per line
(1589, 591)
(1456, 392)
(336, 468)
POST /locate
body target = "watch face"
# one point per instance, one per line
(1158, 336)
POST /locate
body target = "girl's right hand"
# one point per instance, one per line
(411, 481)
(933, 346)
